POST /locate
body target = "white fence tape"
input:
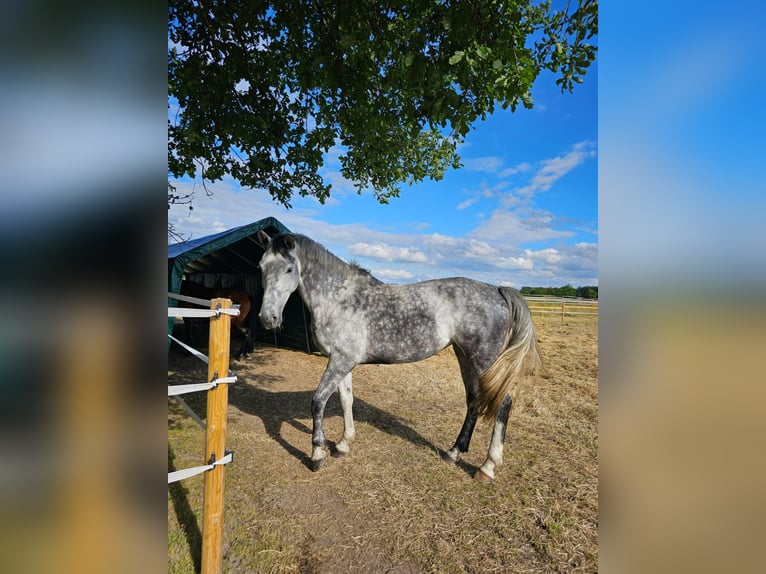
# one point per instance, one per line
(176, 390)
(194, 300)
(193, 351)
(190, 412)
(201, 313)
(193, 388)
(195, 470)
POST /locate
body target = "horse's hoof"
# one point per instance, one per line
(317, 464)
(482, 476)
(338, 453)
(447, 458)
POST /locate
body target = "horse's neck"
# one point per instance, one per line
(321, 276)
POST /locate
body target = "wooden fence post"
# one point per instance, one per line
(215, 440)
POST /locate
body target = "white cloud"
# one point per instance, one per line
(468, 202)
(589, 250)
(516, 227)
(548, 172)
(500, 261)
(479, 249)
(555, 168)
(494, 165)
(393, 274)
(576, 264)
(439, 241)
(549, 255)
(486, 192)
(385, 252)
(469, 256)
(515, 263)
(488, 164)
(523, 166)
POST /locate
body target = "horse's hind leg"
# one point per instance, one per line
(495, 453)
(347, 402)
(463, 439)
(471, 382)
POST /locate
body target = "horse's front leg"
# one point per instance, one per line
(347, 402)
(244, 347)
(334, 374)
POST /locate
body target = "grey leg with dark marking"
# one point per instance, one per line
(495, 453)
(470, 380)
(464, 438)
(334, 374)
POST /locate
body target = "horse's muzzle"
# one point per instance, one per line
(270, 321)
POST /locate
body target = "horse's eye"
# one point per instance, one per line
(289, 270)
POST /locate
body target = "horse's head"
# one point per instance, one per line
(280, 276)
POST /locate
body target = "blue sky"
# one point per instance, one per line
(522, 211)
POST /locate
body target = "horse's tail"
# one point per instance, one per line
(520, 355)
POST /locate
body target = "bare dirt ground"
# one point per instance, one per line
(392, 505)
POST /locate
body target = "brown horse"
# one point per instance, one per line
(237, 295)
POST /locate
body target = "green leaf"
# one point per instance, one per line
(456, 57)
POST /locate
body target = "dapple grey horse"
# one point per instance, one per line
(358, 319)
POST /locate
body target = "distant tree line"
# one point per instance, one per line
(586, 292)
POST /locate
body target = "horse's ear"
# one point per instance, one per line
(263, 238)
(289, 242)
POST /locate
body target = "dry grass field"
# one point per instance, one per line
(393, 505)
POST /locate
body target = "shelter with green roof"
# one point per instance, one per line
(230, 259)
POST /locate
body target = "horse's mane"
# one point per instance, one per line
(318, 253)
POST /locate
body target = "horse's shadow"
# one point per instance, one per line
(276, 408)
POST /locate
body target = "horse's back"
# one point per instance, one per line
(239, 297)
(406, 323)
(473, 310)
